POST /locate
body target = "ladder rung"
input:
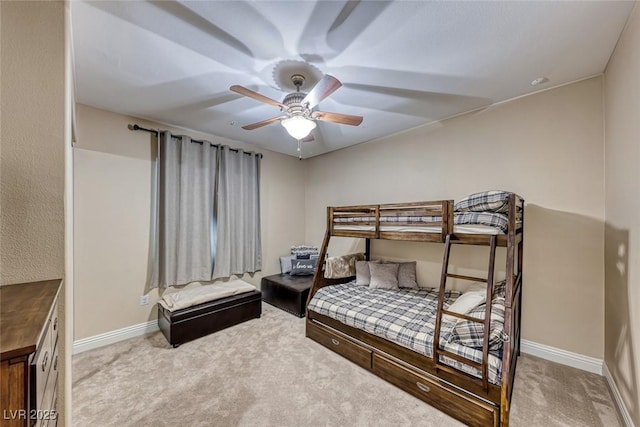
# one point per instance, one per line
(458, 358)
(463, 316)
(460, 276)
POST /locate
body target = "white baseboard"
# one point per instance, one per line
(617, 397)
(564, 357)
(112, 337)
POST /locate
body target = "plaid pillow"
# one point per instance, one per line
(500, 289)
(471, 334)
(492, 201)
(492, 219)
(303, 250)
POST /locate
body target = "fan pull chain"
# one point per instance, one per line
(299, 149)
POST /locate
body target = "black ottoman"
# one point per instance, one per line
(199, 320)
(288, 293)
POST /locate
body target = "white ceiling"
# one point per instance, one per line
(403, 64)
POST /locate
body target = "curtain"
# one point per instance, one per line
(184, 217)
(237, 205)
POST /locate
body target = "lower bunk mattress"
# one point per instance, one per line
(407, 317)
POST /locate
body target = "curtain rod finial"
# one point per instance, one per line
(133, 127)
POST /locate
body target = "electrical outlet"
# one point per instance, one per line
(144, 300)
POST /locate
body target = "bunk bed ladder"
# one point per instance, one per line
(437, 350)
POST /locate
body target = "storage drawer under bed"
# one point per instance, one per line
(340, 344)
(457, 403)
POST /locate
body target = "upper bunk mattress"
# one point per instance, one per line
(464, 223)
(404, 316)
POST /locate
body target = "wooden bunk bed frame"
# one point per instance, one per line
(474, 401)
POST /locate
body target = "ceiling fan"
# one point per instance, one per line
(299, 118)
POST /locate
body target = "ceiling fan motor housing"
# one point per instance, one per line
(293, 101)
(294, 98)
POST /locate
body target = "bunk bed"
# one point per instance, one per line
(419, 352)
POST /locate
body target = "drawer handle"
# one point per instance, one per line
(423, 387)
(55, 324)
(45, 361)
(335, 341)
(55, 363)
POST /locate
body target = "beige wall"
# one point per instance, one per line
(112, 168)
(33, 140)
(622, 230)
(32, 135)
(546, 147)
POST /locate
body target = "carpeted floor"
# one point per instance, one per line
(266, 373)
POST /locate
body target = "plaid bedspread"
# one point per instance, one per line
(492, 219)
(417, 219)
(403, 316)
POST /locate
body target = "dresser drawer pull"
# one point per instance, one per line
(55, 324)
(45, 361)
(335, 341)
(423, 387)
(55, 363)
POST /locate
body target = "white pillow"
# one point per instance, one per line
(476, 287)
(475, 295)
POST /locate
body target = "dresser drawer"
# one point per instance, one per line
(40, 368)
(54, 415)
(466, 408)
(341, 345)
(55, 325)
(50, 387)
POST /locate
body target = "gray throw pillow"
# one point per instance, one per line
(363, 274)
(407, 275)
(285, 263)
(303, 267)
(383, 276)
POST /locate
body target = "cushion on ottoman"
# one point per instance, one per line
(194, 296)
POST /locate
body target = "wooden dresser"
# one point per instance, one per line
(29, 354)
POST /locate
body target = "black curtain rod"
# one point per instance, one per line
(197, 141)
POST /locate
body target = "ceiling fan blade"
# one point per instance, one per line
(343, 119)
(321, 90)
(263, 123)
(255, 95)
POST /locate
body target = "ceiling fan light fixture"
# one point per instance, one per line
(298, 126)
